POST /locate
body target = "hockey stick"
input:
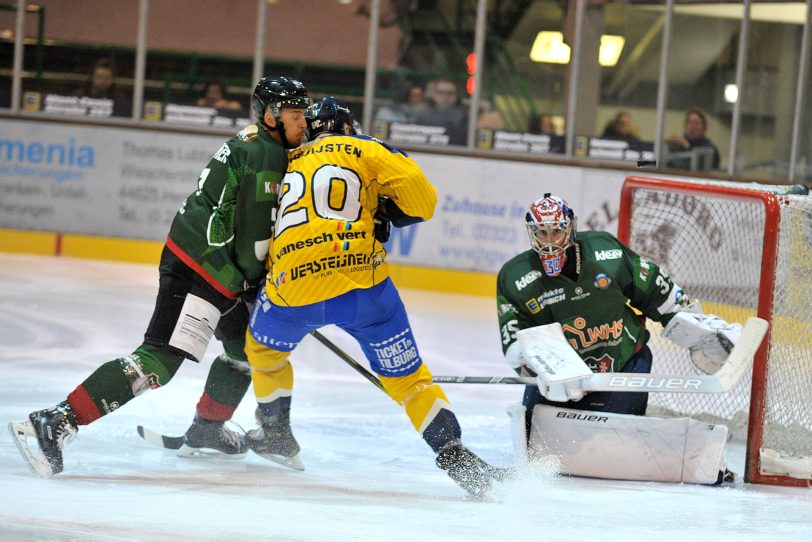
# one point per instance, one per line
(348, 360)
(740, 358)
(157, 439)
(175, 443)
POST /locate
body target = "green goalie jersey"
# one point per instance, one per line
(602, 311)
(223, 229)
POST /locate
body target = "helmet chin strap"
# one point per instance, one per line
(280, 127)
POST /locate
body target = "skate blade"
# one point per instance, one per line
(292, 462)
(37, 462)
(206, 453)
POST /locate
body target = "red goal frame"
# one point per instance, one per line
(766, 286)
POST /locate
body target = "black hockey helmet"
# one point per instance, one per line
(329, 115)
(279, 93)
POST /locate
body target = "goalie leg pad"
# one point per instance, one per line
(627, 447)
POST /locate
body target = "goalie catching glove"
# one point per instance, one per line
(708, 338)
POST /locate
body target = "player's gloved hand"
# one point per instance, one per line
(250, 291)
(382, 226)
(711, 353)
(708, 338)
(515, 357)
(468, 470)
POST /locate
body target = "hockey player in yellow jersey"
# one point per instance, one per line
(324, 243)
(327, 266)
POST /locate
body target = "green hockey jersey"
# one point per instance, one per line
(223, 229)
(602, 312)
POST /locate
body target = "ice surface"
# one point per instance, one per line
(369, 476)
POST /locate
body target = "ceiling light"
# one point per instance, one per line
(611, 47)
(549, 47)
(731, 93)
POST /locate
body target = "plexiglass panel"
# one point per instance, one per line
(422, 96)
(193, 79)
(803, 164)
(523, 78)
(767, 98)
(618, 80)
(68, 70)
(701, 65)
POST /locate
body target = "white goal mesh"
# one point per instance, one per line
(711, 238)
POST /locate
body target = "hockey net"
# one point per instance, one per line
(743, 251)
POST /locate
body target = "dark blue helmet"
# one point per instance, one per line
(329, 115)
(279, 93)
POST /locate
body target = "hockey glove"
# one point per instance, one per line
(250, 291)
(708, 338)
(382, 227)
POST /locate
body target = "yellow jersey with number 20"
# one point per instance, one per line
(324, 243)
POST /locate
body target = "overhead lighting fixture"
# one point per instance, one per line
(549, 47)
(611, 47)
(731, 93)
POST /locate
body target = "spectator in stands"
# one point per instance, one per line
(214, 95)
(489, 118)
(541, 124)
(622, 127)
(447, 111)
(102, 85)
(682, 153)
(407, 103)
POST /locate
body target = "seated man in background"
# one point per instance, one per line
(102, 86)
(621, 127)
(214, 95)
(693, 140)
(446, 110)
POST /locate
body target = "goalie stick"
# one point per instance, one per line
(740, 358)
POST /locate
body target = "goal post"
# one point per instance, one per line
(743, 250)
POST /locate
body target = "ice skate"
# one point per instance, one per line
(51, 428)
(274, 440)
(468, 470)
(212, 439)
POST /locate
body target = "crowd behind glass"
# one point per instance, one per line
(661, 83)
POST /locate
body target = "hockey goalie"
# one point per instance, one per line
(572, 310)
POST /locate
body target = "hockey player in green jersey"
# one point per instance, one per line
(600, 292)
(212, 262)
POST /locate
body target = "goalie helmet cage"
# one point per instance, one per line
(743, 251)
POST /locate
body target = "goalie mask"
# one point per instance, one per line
(551, 226)
(328, 115)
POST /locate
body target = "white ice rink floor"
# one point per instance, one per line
(368, 475)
